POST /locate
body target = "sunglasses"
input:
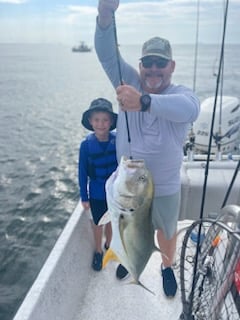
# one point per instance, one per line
(148, 62)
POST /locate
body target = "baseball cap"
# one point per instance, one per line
(157, 46)
(99, 104)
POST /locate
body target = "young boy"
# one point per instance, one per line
(97, 161)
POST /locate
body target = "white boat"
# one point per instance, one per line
(68, 289)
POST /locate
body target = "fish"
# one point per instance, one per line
(129, 193)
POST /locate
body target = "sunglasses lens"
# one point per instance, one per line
(162, 63)
(159, 63)
(147, 63)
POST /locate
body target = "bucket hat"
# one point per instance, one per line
(99, 104)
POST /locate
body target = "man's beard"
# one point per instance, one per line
(152, 84)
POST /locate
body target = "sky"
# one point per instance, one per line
(69, 21)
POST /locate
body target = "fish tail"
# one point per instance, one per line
(139, 283)
(109, 255)
(105, 219)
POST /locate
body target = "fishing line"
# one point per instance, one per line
(218, 137)
(191, 135)
(208, 158)
(231, 184)
(196, 48)
(214, 110)
(120, 78)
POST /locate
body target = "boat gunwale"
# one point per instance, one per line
(34, 304)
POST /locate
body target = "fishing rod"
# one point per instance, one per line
(120, 78)
(218, 136)
(191, 141)
(231, 184)
(208, 159)
(214, 109)
(196, 48)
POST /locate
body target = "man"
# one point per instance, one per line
(158, 116)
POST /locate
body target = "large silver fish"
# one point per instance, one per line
(129, 196)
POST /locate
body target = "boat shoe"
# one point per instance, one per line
(121, 272)
(97, 261)
(169, 282)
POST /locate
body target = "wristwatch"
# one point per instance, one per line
(145, 101)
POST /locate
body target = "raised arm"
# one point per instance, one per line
(106, 8)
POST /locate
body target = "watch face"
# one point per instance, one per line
(145, 102)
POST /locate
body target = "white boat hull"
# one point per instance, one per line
(68, 289)
(219, 177)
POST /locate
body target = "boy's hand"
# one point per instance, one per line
(86, 205)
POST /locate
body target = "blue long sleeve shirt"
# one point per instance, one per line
(97, 161)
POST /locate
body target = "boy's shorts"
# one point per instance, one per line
(165, 212)
(98, 208)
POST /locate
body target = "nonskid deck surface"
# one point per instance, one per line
(108, 298)
(111, 299)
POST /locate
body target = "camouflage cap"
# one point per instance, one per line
(157, 47)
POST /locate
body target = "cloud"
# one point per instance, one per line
(13, 1)
(80, 14)
(139, 16)
(136, 21)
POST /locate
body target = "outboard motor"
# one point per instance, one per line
(226, 135)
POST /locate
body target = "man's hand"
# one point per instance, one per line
(128, 98)
(106, 8)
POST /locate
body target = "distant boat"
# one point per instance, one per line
(81, 48)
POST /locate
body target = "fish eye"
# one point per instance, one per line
(142, 178)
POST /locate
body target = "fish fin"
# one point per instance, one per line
(122, 226)
(109, 255)
(105, 218)
(139, 283)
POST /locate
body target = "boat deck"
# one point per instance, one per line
(108, 298)
(68, 289)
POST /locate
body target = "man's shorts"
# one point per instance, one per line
(165, 212)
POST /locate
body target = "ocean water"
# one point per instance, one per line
(43, 91)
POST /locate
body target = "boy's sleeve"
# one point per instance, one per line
(82, 171)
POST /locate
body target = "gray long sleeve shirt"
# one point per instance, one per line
(156, 136)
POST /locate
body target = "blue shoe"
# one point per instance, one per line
(121, 272)
(97, 261)
(169, 282)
